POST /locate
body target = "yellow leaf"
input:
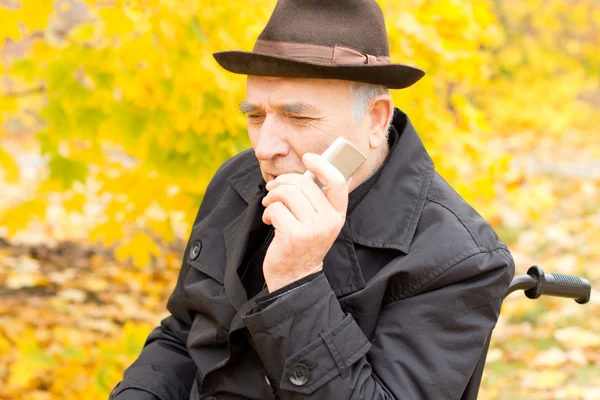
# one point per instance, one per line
(10, 168)
(19, 281)
(75, 203)
(167, 29)
(115, 21)
(140, 248)
(575, 337)
(547, 379)
(9, 28)
(35, 14)
(553, 357)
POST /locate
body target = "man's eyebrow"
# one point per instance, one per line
(246, 107)
(299, 108)
(291, 108)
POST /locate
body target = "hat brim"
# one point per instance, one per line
(394, 76)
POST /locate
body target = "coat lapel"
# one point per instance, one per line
(236, 242)
(341, 265)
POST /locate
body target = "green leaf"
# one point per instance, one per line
(25, 68)
(66, 170)
(104, 80)
(58, 119)
(74, 353)
(88, 120)
(197, 30)
(59, 73)
(102, 379)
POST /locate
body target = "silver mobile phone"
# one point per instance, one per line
(344, 156)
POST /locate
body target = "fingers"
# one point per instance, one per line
(280, 217)
(294, 199)
(308, 188)
(335, 186)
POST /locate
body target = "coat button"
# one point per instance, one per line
(196, 247)
(299, 374)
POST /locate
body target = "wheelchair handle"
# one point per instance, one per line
(537, 283)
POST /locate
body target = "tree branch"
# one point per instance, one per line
(26, 92)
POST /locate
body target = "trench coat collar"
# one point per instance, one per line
(385, 218)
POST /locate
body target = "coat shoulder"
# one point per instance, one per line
(456, 220)
(452, 243)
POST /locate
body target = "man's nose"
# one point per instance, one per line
(271, 140)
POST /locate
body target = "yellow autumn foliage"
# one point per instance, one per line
(132, 116)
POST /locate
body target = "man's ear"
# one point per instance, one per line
(381, 110)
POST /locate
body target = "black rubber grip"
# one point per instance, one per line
(566, 280)
(559, 285)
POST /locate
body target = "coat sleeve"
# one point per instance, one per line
(425, 346)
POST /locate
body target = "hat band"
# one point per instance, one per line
(318, 54)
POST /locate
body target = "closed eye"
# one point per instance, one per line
(300, 118)
(255, 119)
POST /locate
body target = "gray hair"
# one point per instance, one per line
(363, 94)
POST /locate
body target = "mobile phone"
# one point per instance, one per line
(344, 156)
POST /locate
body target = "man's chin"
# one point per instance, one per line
(269, 177)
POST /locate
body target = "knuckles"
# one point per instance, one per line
(286, 190)
(320, 232)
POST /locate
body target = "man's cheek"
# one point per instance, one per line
(310, 144)
(253, 136)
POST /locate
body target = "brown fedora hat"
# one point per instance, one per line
(327, 39)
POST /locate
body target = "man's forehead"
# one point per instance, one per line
(293, 94)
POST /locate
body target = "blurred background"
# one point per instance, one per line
(114, 116)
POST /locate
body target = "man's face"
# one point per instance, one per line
(290, 117)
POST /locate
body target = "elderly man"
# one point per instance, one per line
(383, 287)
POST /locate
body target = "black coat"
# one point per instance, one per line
(410, 292)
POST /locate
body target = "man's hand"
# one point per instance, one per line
(307, 220)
